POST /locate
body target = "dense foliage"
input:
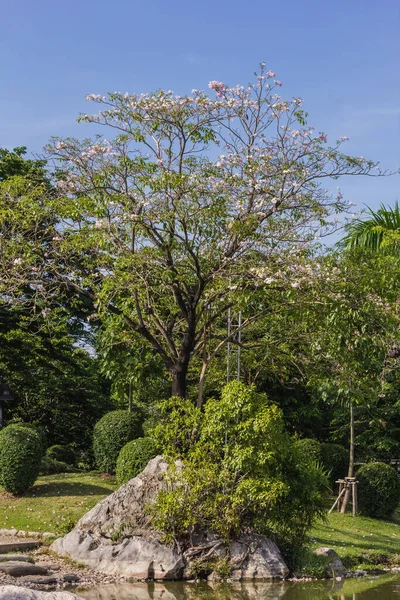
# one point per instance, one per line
(62, 453)
(191, 204)
(20, 456)
(240, 469)
(133, 458)
(335, 460)
(378, 490)
(110, 434)
(310, 448)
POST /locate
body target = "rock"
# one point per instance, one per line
(69, 577)
(139, 552)
(16, 557)
(40, 579)
(134, 557)
(19, 569)
(116, 537)
(13, 592)
(255, 557)
(335, 567)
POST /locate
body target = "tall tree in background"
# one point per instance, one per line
(54, 380)
(194, 203)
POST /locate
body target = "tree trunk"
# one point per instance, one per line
(351, 459)
(179, 375)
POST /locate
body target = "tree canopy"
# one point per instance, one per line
(195, 203)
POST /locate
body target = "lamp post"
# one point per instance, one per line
(5, 395)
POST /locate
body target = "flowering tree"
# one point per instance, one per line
(194, 202)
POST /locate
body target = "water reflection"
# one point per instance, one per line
(382, 588)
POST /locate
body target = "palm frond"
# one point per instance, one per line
(380, 231)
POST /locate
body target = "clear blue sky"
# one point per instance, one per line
(342, 57)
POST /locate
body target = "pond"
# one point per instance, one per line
(369, 588)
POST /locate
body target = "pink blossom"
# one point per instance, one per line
(270, 74)
(344, 138)
(323, 137)
(217, 86)
(95, 97)
(277, 82)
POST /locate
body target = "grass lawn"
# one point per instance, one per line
(55, 502)
(354, 537)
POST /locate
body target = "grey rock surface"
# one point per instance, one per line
(13, 592)
(16, 557)
(116, 537)
(255, 557)
(19, 569)
(40, 579)
(335, 567)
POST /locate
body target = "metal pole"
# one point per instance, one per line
(239, 341)
(228, 353)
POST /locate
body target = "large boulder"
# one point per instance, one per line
(334, 566)
(14, 592)
(116, 537)
(256, 557)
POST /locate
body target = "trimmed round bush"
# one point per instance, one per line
(335, 460)
(110, 434)
(378, 490)
(134, 457)
(61, 453)
(40, 430)
(20, 456)
(309, 448)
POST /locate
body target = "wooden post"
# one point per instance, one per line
(355, 501)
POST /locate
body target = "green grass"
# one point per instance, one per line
(357, 537)
(55, 502)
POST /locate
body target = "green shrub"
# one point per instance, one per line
(378, 490)
(335, 460)
(51, 466)
(310, 448)
(40, 431)
(150, 424)
(62, 454)
(85, 460)
(240, 472)
(20, 456)
(133, 458)
(110, 434)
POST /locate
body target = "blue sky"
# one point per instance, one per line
(342, 57)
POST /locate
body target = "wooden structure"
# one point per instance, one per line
(347, 487)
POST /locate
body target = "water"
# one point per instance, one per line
(378, 588)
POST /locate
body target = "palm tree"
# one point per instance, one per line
(380, 232)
